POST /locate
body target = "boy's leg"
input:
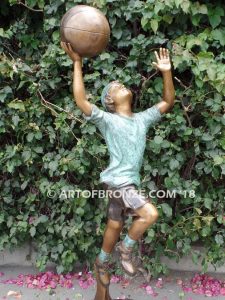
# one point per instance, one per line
(110, 238)
(116, 218)
(111, 234)
(147, 215)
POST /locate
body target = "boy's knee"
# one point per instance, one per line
(152, 216)
(155, 215)
(115, 224)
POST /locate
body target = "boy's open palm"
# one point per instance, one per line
(68, 49)
(163, 60)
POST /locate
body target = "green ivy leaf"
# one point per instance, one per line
(17, 104)
(32, 231)
(154, 25)
(219, 239)
(104, 56)
(206, 231)
(218, 160)
(208, 203)
(207, 137)
(117, 33)
(30, 136)
(53, 165)
(174, 164)
(215, 16)
(166, 209)
(158, 139)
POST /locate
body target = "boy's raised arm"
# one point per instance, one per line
(78, 83)
(163, 64)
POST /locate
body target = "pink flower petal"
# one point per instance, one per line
(222, 291)
(159, 283)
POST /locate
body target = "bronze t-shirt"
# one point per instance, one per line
(126, 139)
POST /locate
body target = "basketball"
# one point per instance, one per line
(86, 29)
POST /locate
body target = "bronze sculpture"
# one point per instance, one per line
(122, 174)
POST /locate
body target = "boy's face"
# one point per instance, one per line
(119, 93)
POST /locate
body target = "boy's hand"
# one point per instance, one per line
(163, 60)
(68, 49)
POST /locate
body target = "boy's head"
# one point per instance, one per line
(115, 94)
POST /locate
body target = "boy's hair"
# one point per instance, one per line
(109, 107)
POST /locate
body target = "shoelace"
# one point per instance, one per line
(127, 253)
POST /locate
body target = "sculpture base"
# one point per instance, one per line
(102, 292)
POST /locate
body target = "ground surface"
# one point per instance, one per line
(171, 288)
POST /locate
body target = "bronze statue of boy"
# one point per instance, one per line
(125, 134)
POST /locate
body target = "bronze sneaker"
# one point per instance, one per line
(126, 259)
(102, 272)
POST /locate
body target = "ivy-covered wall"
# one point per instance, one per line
(45, 150)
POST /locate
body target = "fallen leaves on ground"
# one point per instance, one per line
(201, 284)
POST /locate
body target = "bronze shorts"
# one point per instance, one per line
(123, 201)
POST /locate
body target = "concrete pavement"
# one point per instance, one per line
(171, 287)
